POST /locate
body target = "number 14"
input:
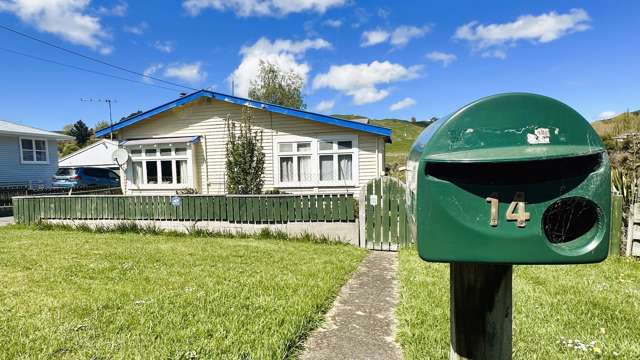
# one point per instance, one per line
(515, 212)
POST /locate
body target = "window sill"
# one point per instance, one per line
(318, 184)
(34, 162)
(159, 187)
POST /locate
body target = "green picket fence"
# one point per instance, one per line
(237, 209)
(386, 225)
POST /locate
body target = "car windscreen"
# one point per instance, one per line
(66, 172)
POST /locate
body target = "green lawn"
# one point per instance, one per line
(69, 294)
(553, 307)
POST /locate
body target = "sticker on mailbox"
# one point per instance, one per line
(539, 136)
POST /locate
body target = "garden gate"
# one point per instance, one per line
(383, 215)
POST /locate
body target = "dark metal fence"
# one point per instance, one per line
(9, 191)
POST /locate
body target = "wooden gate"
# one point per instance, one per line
(383, 215)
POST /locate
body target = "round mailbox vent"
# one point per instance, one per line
(570, 218)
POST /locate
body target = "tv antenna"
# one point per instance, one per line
(108, 101)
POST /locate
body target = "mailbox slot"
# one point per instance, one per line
(515, 172)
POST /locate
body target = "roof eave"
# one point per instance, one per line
(373, 129)
(59, 137)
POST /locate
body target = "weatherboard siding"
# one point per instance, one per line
(14, 171)
(206, 117)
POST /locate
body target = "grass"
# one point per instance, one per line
(78, 295)
(553, 307)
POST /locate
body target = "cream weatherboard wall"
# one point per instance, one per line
(206, 118)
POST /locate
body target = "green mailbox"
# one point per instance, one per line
(512, 178)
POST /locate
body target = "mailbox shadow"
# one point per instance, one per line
(541, 180)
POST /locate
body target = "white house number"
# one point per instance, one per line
(515, 212)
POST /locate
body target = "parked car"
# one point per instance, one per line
(73, 177)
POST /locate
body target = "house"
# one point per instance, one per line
(97, 154)
(28, 156)
(181, 145)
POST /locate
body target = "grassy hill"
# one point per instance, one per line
(620, 124)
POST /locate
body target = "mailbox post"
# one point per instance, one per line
(509, 179)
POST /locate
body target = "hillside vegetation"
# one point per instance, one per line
(624, 123)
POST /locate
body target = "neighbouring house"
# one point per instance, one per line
(97, 154)
(28, 156)
(181, 145)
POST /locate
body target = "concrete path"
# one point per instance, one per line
(361, 324)
(6, 220)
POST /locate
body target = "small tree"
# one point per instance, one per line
(100, 125)
(245, 158)
(277, 87)
(81, 132)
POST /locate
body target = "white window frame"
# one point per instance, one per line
(315, 160)
(143, 158)
(33, 142)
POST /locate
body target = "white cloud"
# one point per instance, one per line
(442, 57)
(285, 54)
(403, 34)
(494, 53)
(120, 9)
(189, 72)
(374, 37)
(404, 103)
(334, 23)
(164, 46)
(607, 114)
(325, 105)
(246, 8)
(399, 37)
(538, 29)
(137, 29)
(151, 70)
(68, 19)
(361, 81)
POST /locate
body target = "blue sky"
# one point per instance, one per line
(375, 58)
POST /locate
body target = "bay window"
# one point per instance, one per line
(317, 162)
(161, 167)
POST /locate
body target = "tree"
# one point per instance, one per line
(100, 125)
(67, 147)
(81, 132)
(131, 115)
(277, 87)
(245, 158)
(413, 119)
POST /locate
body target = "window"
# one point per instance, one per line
(158, 168)
(34, 151)
(295, 162)
(137, 172)
(152, 172)
(336, 160)
(330, 162)
(181, 171)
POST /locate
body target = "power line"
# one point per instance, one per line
(84, 69)
(92, 58)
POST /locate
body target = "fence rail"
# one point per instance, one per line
(237, 209)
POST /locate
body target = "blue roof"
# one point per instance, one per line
(372, 129)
